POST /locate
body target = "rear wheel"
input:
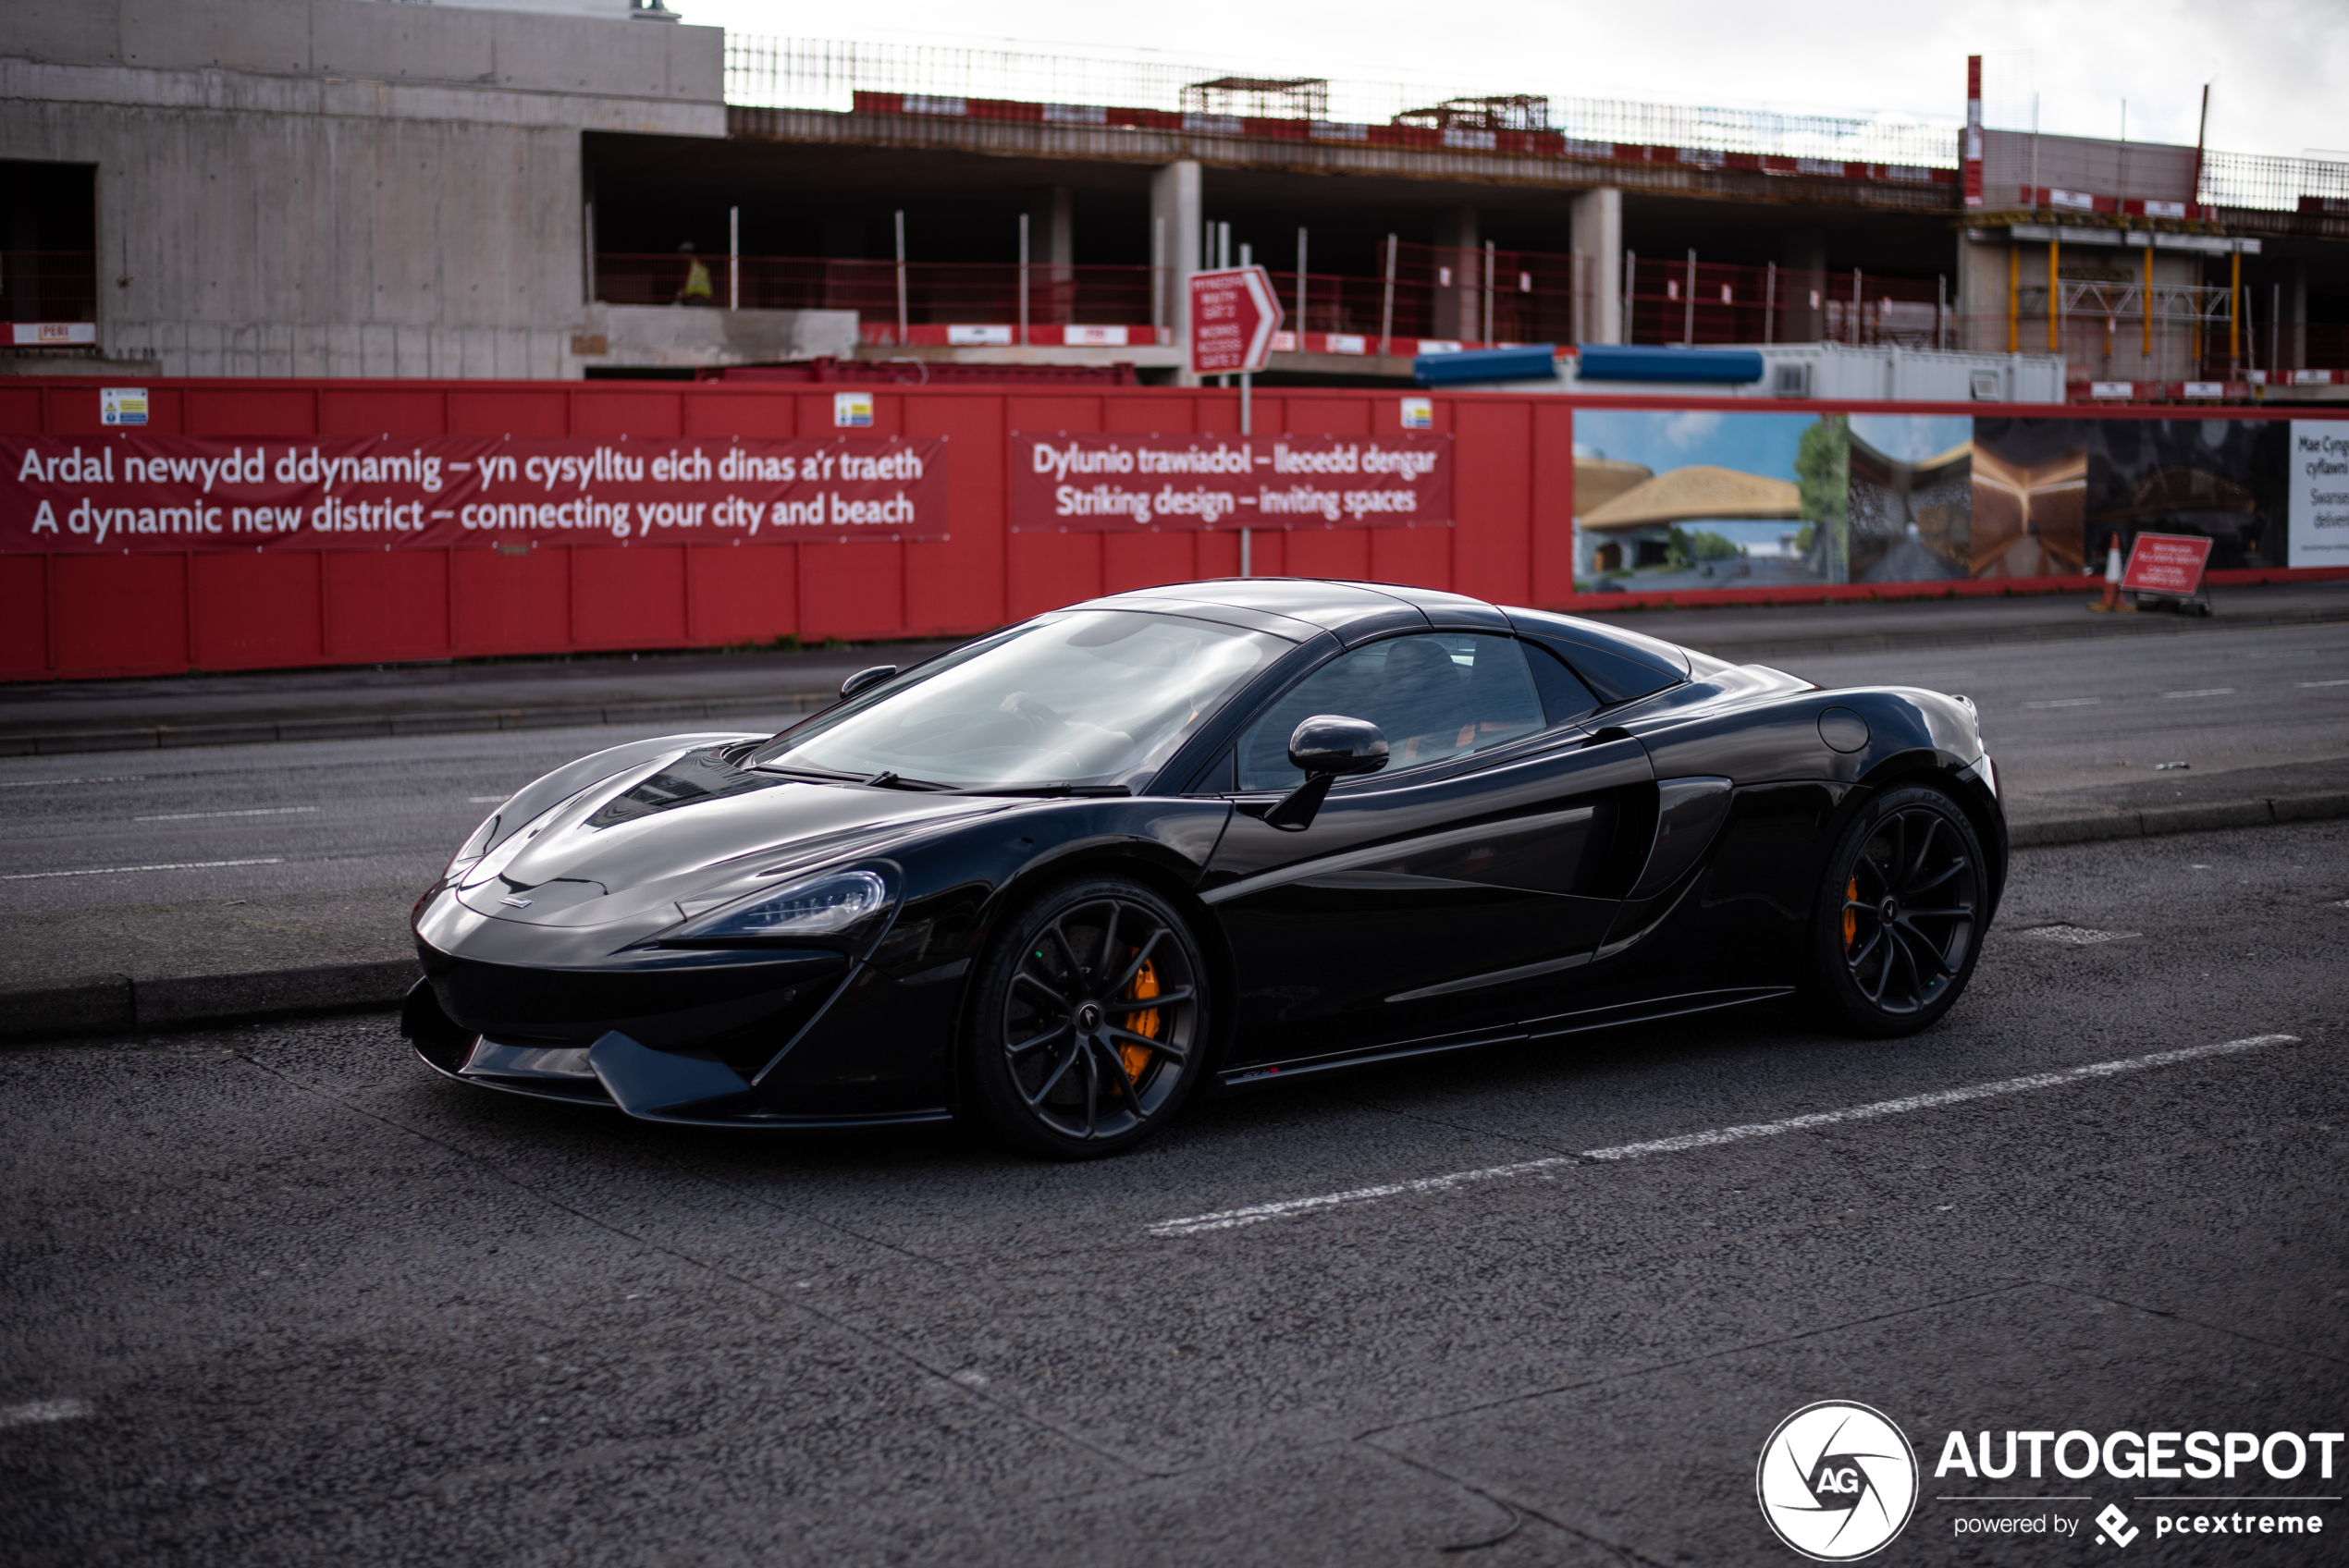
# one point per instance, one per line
(1896, 926)
(1086, 1027)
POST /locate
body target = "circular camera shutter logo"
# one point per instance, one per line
(1837, 1481)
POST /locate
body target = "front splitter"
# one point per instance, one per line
(659, 1093)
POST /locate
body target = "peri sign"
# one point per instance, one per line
(1233, 315)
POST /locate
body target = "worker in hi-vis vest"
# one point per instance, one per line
(699, 289)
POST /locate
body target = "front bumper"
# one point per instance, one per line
(625, 1074)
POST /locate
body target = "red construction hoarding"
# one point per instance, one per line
(1842, 503)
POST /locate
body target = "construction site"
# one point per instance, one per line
(1634, 353)
(358, 188)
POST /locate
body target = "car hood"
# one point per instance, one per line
(689, 826)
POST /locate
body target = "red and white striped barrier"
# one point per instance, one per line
(2201, 391)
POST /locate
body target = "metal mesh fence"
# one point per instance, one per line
(48, 286)
(2285, 185)
(816, 73)
(1670, 299)
(809, 73)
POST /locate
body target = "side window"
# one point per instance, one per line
(1433, 696)
(1564, 696)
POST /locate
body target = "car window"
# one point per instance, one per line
(1564, 696)
(1099, 697)
(1433, 697)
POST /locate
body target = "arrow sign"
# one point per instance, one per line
(1233, 315)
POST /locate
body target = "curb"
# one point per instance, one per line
(2158, 820)
(115, 1004)
(265, 733)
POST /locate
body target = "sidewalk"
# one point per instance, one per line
(1750, 632)
(423, 699)
(204, 710)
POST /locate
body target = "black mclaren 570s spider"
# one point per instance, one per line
(1061, 878)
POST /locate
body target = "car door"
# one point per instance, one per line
(1435, 901)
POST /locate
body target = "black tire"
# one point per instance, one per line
(1086, 1028)
(1897, 924)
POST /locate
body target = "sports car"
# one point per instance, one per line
(1064, 878)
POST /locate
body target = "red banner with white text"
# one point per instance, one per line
(1148, 483)
(133, 493)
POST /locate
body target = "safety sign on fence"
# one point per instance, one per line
(1148, 484)
(131, 494)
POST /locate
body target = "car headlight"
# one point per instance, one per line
(818, 906)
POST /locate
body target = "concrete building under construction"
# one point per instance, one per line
(591, 187)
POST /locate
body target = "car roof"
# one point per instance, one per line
(1299, 607)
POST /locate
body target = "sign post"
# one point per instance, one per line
(2167, 568)
(1233, 315)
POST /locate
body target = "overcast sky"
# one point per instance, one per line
(2278, 67)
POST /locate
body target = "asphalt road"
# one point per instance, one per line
(279, 1294)
(224, 822)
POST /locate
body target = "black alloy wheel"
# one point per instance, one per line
(1086, 1027)
(1897, 924)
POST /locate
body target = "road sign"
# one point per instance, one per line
(1233, 315)
(2169, 564)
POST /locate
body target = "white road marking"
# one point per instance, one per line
(1256, 1213)
(2079, 936)
(2210, 691)
(193, 816)
(126, 869)
(2311, 685)
(485, 800)
(103, 778)
(40, 1411)
(2064, 703)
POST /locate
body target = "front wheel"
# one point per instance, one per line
(1896, 924)
(1086, 1028)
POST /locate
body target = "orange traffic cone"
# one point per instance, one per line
(2111, 576)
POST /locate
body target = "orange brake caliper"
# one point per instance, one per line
(1851, 919)
(1137, 1058)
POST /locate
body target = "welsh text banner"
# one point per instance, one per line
(133, 494)
(1148, 484)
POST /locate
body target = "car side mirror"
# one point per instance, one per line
(864, 677)
(1328, 744)
(1325, 748)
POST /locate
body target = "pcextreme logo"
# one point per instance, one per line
(1837, 1481)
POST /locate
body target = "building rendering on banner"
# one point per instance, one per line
(560, 189)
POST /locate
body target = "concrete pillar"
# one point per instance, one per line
(2295, 317)
(1051, 235)
(1459, 308)
(1051, 249)
(1802, 277)
(1175, 217)
(1598, 242)
(1980, 289)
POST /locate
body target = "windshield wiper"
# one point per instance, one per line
(885, 779)
(800, 770)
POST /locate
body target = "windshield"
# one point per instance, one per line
(1096, 697)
